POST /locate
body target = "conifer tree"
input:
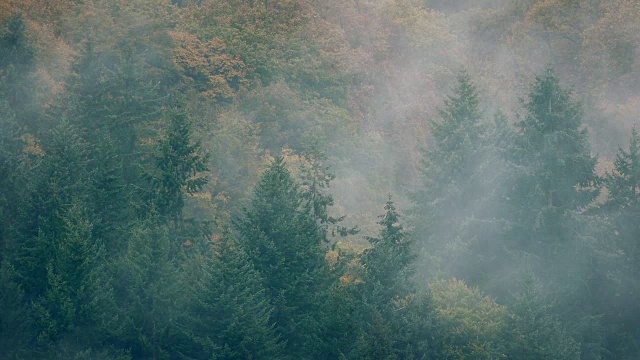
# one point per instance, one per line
(180, 165)
(554, 182)
(456, 204)
(78, 294)
(386, 262)
(146, 286)
(17, 65)
(284, 242)
(622, 248)
(533, 332)
(60, 178)
(402, 320)
(228, 315)
(553, 150)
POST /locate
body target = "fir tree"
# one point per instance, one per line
(402, 321)
(532, 331)
(180, 165)
(386, 262)
(284, 242)
(455, 205)
(146, 287)
(228, 315)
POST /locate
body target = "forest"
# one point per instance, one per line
(320, 179)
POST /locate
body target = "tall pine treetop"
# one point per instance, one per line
(460, 116)
(553, 145)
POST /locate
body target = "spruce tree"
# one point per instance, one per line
(455, 205)
(285, 243)
(78, 295)
(180, 165)
(402, 321)
(386, 263)
(621, 250)
(554, 182)
(533, 332)
(227, 314)
(553, 150)
(146, 287)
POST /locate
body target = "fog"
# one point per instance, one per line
(166, 167)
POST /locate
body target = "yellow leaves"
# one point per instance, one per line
(473, 321)
(207, 67)
(31, 146)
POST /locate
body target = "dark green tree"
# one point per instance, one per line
(17, 65)
(78, 297)
(286, 245)
(228, 314)
(621, 251)
(386, 263)
(180, 166)
(553, 150)
(554, 182)
(59, 179)
(146, 287)
(457, 203)
(401, 321)
(533, 332)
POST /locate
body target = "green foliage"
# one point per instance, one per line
(554, 149)
(532, 331)
(228, 314)
(180, 165)
(472, 323)
(386, 264)
(146, 286)
(285, 243)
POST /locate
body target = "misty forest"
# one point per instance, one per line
(320, 179)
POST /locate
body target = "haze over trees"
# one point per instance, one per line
(299, 179)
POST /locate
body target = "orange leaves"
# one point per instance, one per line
(206, 67)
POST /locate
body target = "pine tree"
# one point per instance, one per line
(553, 150)
(450, 162)
(315, 180)
(402, 319)
(146, 287)
(621, 259)
(180, 165)
(284, 242)
(17, 65)
(456, 204)
(227, 315)
(554, 182)
(78, 292)
(532, 331)
(59, 179)
(386, 262)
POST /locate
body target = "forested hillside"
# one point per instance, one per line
(320, 179)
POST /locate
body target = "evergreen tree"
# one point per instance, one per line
(14, 330)
(553, 149)
(315, 180)
(180, 165)
(78, 292)
(621, 260)
(554, 182)
(532, 331)
(228, 315)
(285, 243)
(402, 320)
(111, 199)
(386, 263)
(456, 206)
(59, 179)
(146, 286)
(17, 65)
